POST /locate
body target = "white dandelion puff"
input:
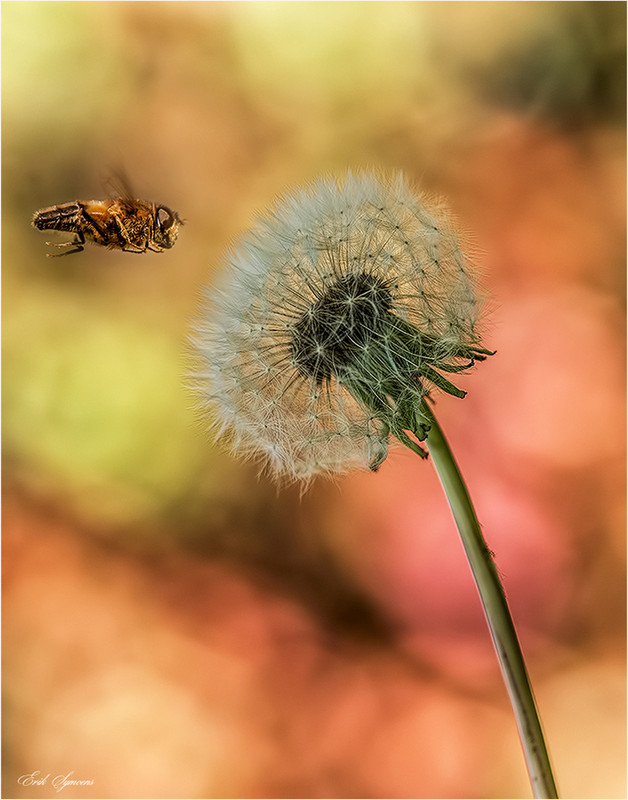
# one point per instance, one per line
(339, 312)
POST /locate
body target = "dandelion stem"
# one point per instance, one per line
(496, 610)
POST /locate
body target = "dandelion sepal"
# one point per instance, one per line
(395, 405)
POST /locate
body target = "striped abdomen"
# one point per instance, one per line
(59, 218)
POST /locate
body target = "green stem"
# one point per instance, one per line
(496, 610)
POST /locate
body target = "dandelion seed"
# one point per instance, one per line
(340, 311)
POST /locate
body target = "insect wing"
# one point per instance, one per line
(118, 187)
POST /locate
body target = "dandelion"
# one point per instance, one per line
(344, 307)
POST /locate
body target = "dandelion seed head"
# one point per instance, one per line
(335, 310)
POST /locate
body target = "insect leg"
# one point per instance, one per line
(132, 248)
(77, 243)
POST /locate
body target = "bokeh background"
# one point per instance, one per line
(175, 625)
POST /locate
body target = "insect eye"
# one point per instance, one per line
(165, 219)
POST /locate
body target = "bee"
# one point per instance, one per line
(121, 223)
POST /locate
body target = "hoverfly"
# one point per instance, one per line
(121, 222)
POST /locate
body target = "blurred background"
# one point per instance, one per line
(175, 625)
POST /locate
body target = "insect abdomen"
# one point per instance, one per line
(58, 218)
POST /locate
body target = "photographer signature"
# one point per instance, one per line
(59, 782)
